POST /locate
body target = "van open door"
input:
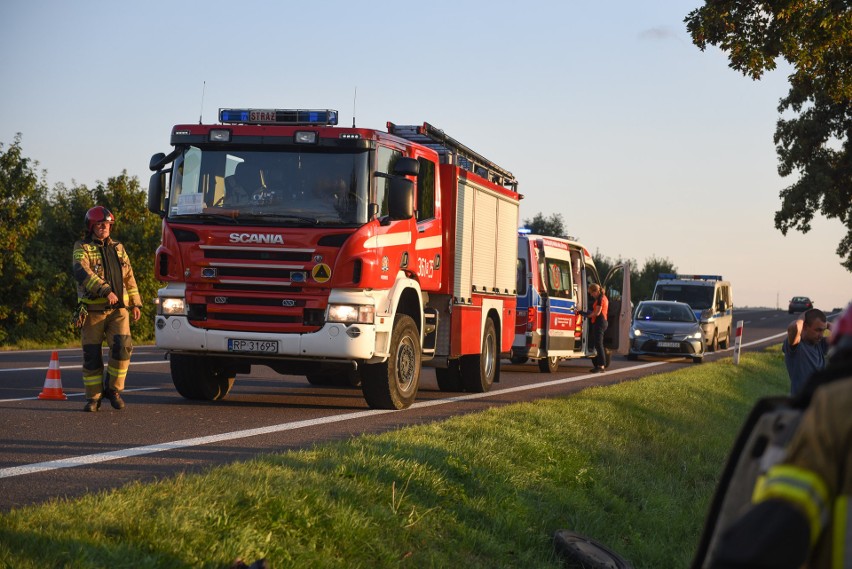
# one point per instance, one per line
(617, 289)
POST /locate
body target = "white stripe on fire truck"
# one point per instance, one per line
(429, 242)
(388, 240)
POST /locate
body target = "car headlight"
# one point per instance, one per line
(635, 332)
(696, 335)
(351, 313)
(171, 306)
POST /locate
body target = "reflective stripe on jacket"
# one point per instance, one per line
(816, 475)
(88, 270)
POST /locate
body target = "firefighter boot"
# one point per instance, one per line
(114, 399)
(92, 405)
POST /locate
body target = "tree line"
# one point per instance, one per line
(38, 228)
(39, 225)
(642, 280)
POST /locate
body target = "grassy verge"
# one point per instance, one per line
(633, 465)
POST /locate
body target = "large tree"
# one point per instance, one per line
(813, 137)
(22, 192)
(553, 226)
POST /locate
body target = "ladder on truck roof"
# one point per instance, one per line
(451, 151)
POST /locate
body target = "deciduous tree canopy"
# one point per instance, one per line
(813, 137)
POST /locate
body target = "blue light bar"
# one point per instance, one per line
(291, 117)
(671, 276)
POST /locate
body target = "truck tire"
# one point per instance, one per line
(548, 365)
(393, 384)
(449, 378)
(200, 378)
(479, 371)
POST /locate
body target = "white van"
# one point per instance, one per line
(553, 276)
(709, 297)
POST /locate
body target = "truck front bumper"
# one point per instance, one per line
(333, 341)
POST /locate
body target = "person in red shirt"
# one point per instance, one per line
(597, 318)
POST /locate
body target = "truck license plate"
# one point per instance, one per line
(668, 344)
(262, 346)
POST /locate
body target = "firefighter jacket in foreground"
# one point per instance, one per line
(803, 506)
(102, 267)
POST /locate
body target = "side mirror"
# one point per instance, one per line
(406, 167)
(157, 161)
(156, 194)
(705, 315)
(401, 199)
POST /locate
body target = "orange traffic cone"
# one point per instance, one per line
(53, 381)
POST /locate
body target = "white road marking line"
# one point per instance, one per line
(90, 459)
(78, 394)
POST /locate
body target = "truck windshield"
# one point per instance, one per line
(696, 296)
(282, 187)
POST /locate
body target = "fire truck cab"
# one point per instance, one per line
(553, 276)
(347, 255)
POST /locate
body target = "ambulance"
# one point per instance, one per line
(553, 277)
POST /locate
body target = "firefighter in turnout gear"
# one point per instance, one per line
(107, 290)
(802, 511)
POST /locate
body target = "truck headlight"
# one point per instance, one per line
(172, 307)
(351, 313)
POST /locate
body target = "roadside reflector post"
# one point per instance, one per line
(737, 341)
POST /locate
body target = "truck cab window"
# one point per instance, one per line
(426, 190)
(385, 159)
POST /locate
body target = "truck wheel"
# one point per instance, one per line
(449, 378)
(393, 383)
(479, 371)
(548, 365)
(196, 377)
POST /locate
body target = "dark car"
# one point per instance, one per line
(665, 328)
(800, 304)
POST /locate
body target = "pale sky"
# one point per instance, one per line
(604, 111)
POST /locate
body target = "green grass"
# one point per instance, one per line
(633, 465)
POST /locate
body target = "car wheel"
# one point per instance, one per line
(697, 359)
(548, 365)
(727, 341)
(714, 343)
(632, 357)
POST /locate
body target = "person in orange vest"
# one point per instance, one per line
(801, 514)
(597, 318)
(106, 289)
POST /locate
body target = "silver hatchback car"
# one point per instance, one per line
(665, 328)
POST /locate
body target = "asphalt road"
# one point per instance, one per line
(51, 449)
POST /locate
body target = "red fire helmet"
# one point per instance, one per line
(96, 215)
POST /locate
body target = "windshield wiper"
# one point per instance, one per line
(230, 216)
(302, 219)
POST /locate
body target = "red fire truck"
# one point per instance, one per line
(347, 255)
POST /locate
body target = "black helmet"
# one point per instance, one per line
(98, 214)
